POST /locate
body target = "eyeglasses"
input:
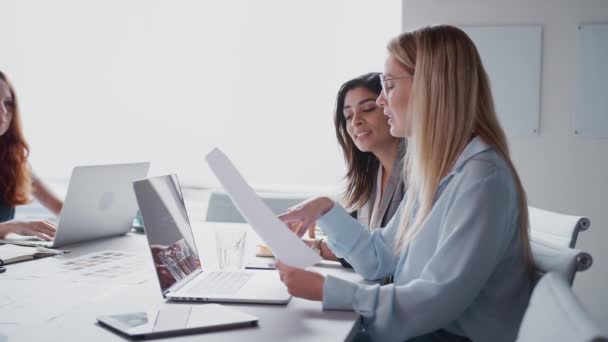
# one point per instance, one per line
(383, 82)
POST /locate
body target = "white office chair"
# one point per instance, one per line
(555, 314)
(560, 260)
(221, 208)
(557, 229)
(552, 240)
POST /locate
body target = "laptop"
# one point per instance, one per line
(181, 274)
(99, 203)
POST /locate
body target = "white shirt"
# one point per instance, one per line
(377, 200)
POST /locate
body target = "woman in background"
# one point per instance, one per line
(17, 183)
(374, 178)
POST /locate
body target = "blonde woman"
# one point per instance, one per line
(458, 247)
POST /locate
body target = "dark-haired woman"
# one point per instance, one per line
(374, 177)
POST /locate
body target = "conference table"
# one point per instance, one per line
(58, 298)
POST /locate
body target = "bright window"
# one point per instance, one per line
(165, 81)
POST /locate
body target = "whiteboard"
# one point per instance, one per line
(591, 109)
(512, 57)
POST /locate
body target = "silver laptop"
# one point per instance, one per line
(99, 203)
(181, 273)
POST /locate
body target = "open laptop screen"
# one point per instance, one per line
(167, 229)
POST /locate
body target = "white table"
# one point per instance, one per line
(73, 307)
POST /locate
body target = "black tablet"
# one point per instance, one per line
(176, 319)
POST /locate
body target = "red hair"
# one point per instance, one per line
(15, 175)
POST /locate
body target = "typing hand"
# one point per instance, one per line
(40, 228)
(301, 283)
(303, 216)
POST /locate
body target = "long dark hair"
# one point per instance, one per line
(362, 166)
(15, 177)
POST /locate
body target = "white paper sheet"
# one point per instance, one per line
(285, 245)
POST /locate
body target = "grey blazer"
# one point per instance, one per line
(391, 198)
(389, 203)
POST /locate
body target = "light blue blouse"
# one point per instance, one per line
(463, 272)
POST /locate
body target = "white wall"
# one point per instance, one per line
(165, 81)
(560, 171)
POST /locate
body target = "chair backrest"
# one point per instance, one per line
(555, 314)
(557, 229)
(221, 208)
(560, 260)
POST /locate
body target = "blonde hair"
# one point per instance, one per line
(450, 102)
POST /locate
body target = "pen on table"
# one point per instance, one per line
(50, 251)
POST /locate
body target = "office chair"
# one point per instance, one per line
(560, 260)
(555, 314)
(221, 208)
(557, 229)
(552, 239)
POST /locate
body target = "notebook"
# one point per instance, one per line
(10, 254)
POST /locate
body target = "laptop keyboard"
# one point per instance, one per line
(222, 282)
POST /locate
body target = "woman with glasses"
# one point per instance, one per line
(374, 158)
(458, 247)
(16, 178)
